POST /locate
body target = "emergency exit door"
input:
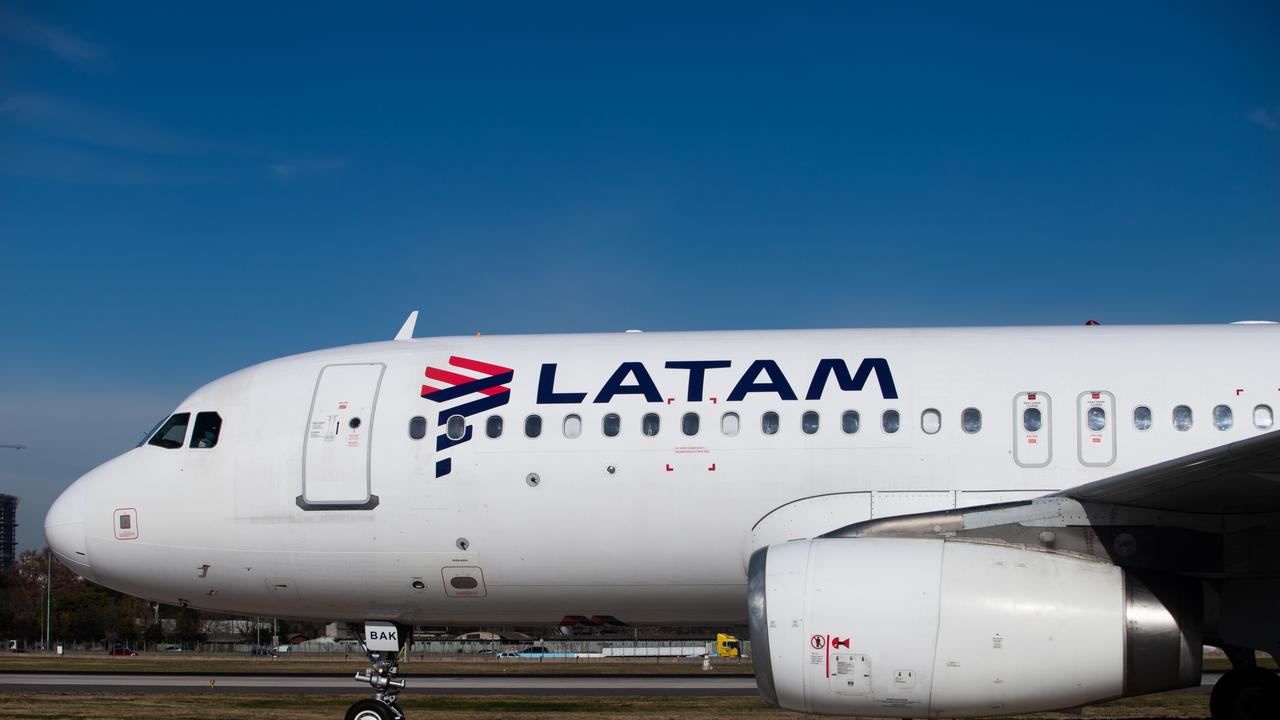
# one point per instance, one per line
(1095, 417)
(336, 449)
(1032, 429)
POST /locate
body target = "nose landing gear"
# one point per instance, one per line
(382, 644)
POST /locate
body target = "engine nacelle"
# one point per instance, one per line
(897, 627)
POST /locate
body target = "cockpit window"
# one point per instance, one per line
(208, 425)
(151, 432)
(172, 432)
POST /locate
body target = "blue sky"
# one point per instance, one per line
(188, 189)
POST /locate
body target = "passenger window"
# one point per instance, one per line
(930, 421)
(611, 424)
(971, 420)
(769, 423)
(572, 426)
(650, 424)
(533, 426)
(1182, 418)
(493, 426)
(809, 422)
(1222, 417)
(172, 432)
(456, 427)
(1096, 418)
(729, 423)
(689, 424)
(849, 422)
(1142, 417)
(1263, 417)
(205, 435)
(417, 427)
(890, 421)
(1032, 420)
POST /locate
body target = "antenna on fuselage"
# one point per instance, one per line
(406, 330)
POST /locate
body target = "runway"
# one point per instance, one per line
(699, 686)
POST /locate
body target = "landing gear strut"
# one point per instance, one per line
(1246, 692)
(382, 644)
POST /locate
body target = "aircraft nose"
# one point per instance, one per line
(64, 529)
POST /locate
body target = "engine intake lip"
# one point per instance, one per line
(758, 621)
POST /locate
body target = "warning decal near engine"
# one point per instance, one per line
(826, 643)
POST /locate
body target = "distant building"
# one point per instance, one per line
(8, 532)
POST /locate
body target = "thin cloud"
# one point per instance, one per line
(85, 166)
(50, 137)
(1269, 119)
(67, 46)
(291, 169)
(70, 120)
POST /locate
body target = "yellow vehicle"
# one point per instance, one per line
(727, 645)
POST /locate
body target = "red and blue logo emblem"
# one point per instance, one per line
(464, 395)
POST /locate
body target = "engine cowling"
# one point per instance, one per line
(902, 627)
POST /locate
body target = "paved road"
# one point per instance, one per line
(463, 685)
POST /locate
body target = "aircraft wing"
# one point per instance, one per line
(1237, 478)
(1214, 513)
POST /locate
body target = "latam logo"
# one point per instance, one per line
(761, 376)
(464, 395)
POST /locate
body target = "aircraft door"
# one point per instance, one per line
(335, 471)
(1032, 440)
(1097, 428)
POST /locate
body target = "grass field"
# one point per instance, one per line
(204, 706)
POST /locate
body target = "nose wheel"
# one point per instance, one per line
(382, 644)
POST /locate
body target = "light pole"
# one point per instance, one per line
(48, 603)
(49, 573)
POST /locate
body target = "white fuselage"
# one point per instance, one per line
(644, 528)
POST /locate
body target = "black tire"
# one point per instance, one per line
(1223, 698)
(1250, 694)
(370, 710)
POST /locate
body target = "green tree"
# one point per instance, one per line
(131, 618)
(187, 626)
(23, 600)
(81, 611)
(154, 634)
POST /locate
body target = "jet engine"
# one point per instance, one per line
(906, 627)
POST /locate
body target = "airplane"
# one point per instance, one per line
(912, 523)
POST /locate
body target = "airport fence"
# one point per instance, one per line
(560, 650)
